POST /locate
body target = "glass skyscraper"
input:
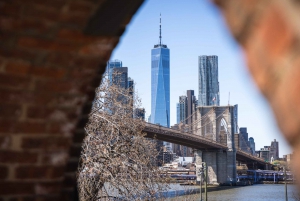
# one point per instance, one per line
(160, 84)
(208, 81)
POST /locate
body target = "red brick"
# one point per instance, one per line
(46, 143)
(48, 188)
(70, 87)
(30, 127)
(31, 26)
(81, 6)
(19, 53)
(38, 112)
(3, 172)
(17, 157)
(17, 68)
(42, 12)
(78, 20)
(16, 188)
(13, 81)
(10, 111)
(39, 172)
(48, 72)
(21, 96)
(48, 45)
(55, 157)
(10, 9)
(5, 142)
(78, 36)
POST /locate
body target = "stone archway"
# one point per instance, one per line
(49, 69)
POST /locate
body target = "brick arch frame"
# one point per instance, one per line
(52, 56)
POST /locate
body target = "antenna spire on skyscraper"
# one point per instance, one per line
(160, 29)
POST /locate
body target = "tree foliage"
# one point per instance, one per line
(117, 162)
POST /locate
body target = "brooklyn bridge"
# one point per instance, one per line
(215, 139)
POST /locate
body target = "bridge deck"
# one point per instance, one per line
(158, 132)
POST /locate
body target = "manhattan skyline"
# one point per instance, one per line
(188, 41)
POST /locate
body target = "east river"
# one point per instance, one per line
(257, 192)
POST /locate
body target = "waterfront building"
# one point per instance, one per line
(160, 85)
(274, 149)
(244, 143)
(208, 83)
(252, 145)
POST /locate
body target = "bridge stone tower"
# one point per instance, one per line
(218, 123)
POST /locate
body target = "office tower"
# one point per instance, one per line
(186, 108)
(120, 77)
(274, 149)
(244, 144)
(252, 145)
(160, 85)
(130, 86)
(182, 110)
(110, 66)
(191, 106)
(208, 81)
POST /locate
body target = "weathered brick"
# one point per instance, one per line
(17, 68)
(47, 45)
(45, 72)
(3, 171)
(39, 172)
(45, 143)
(48, 188)
(59, 87)
(42, 12)
(5, 141)
(55, 157)
(18, 157)
(19, 53)
(14, 81)
(16, 188)
(30, 127)
(10, 111)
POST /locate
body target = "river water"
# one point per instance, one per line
(257, 192)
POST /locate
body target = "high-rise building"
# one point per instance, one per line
(191, 106)
(185, 110)
(120, 77)
(110, 66)
(252, 145)
(274, 149)
(182, 110)
(244, 144)
(160, 85)
(208, 81)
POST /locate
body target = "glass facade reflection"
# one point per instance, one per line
(160, 85)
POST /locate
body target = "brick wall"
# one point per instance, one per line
(49, 69)
(269, 32)
(48, 72)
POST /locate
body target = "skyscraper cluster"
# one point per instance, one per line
(118, 75)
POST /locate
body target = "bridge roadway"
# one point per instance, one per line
(195, 141)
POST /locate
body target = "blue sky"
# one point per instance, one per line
(190, 29)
